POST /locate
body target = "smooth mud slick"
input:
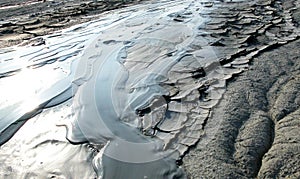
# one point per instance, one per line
(133, 91)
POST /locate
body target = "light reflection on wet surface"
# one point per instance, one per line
(143, 81)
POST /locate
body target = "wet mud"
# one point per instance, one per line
(145, 87)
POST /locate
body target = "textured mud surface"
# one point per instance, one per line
(156, 74)
(258, 116)
(22, 20)
(259, 123)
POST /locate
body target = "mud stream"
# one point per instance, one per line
(132, 91)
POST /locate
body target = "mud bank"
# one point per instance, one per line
(254, 130)
(258, 121)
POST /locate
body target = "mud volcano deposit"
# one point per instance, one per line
(157, 89)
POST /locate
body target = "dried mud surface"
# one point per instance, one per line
(259, 133)
(22, 20)
(254, 130)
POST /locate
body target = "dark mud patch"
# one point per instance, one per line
(23, 20)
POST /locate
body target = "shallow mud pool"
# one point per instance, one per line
(126, 95)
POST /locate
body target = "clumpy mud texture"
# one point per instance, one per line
(259, 119)
(254, 130)
(22, 20)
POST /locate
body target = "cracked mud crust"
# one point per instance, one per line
(23, 20)
(259, 119)
(254, 130)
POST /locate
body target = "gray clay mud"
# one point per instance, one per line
(139, 87)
